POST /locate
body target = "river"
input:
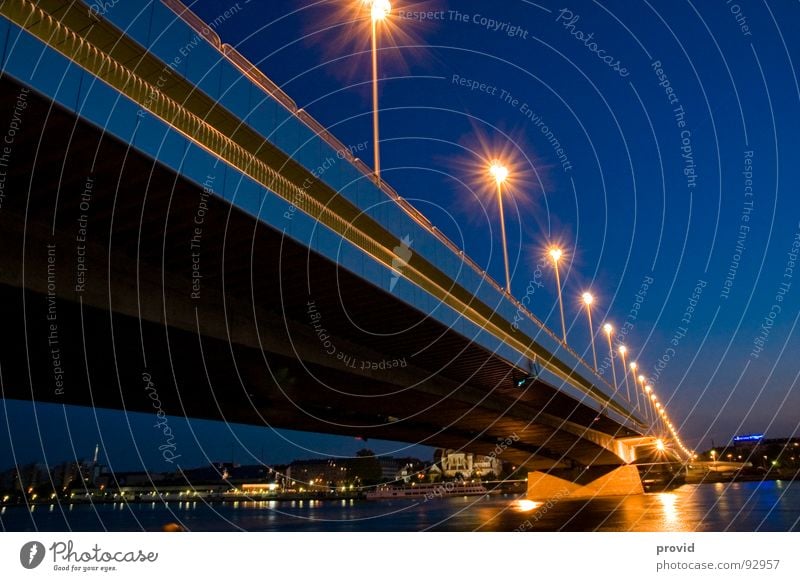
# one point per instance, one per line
(743, 506)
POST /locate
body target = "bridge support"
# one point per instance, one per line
(585, 483)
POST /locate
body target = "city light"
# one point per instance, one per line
(556, 253)
(379, 9)
(660, 445)
(499, 173)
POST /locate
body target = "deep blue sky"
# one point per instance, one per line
(623, 207)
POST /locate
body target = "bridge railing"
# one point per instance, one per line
(272, 89)
(199, 75)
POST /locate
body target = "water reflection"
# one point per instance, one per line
(746, 506)
(669, 502)
(524, 505)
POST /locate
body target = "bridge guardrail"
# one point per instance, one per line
(272, 89)
(37, 21)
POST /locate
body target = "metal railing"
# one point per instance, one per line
(246, 153)
(272, 89)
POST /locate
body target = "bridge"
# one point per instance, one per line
(180, 238)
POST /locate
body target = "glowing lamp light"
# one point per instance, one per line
(498, 171)
(380, 9)
(660, 445)
(622, 350)
(588, 299)
(648, 389)
(634, 367)
(608, 328)
(555, 254)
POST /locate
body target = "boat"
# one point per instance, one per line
(427, 491)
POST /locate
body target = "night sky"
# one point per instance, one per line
(655, 141)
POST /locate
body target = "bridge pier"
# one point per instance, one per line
(586, 483)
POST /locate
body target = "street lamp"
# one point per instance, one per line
(622, 351)
(379, 11)
(500, 174)
(633, 367)
(555, 254)
(588, 299)
(608, 330)
(652, 400)
(646, 389)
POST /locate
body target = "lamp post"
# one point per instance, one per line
(500, 174)
(379, 10)
(608, 328)
(633, 366)
(588, 299)
(622, 351)
(657, 409)
(643, 383)
(555, 254)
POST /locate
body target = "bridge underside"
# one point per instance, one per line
(246, 351)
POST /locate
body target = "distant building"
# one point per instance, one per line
(454, 463)
(138, 478)
(393, 469)
(318, 473)
(65, 474)
(30, 476)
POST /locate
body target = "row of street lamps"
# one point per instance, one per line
(500, 174)
(379, 10)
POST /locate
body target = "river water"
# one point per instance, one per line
(744, 506)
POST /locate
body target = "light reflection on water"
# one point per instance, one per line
(745, 506)
(524, 505)
(669, 503)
